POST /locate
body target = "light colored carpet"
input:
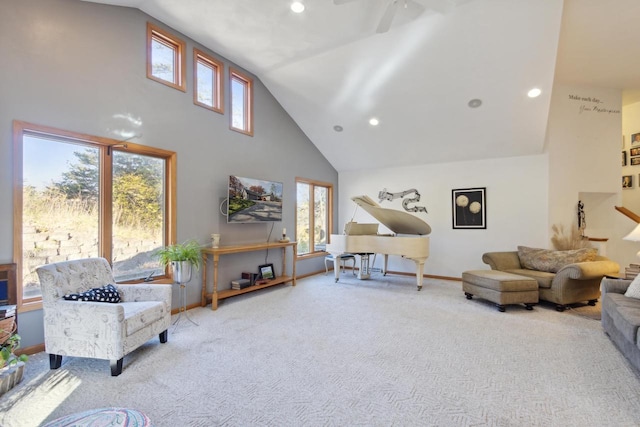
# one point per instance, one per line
(357, 353)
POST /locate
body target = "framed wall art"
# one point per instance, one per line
(627, 181)
(469, 208)
(634, 151)
(635, 138)
(624, 158)
(635, 161)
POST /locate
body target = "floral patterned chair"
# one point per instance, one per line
(92, 327)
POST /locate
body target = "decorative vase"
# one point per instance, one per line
(181, 271)
(10, 376)
(215, 240)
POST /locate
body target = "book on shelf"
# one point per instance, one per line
(630, 274)
(7, 311)
(240, 284)
(251, 277)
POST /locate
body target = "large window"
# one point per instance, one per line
(166, 60)
(241, 102)
(207, 87)
(313, 215)
(78, 196)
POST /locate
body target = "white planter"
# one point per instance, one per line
(10, 376)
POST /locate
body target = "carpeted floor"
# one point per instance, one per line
(357, 353)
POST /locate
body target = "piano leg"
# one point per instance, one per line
(365, 269)
(419, 272)
(386, 259)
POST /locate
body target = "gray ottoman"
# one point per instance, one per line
(500, 288)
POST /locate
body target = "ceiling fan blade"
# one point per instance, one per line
(387, 18)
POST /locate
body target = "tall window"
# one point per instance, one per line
(207, 76)
(78, 196)
(166, 60)
(313, 215)
(241, 102)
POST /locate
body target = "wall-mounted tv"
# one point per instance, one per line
(253, 200)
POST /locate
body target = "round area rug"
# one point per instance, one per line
(103, 417)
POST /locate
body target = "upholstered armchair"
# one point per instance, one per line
(100, 330)
(565, 284)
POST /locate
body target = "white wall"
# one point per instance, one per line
(516, 202)
(583, 142)
(631, 125)
(631, 196)
(525, 195)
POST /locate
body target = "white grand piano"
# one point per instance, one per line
(413, 244)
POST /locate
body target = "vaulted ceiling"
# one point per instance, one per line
(330, 68)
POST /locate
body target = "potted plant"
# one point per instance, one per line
(182, 257)
(11, 366)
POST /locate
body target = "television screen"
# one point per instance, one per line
(253, 200)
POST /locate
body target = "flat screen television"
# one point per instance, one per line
(253, 200)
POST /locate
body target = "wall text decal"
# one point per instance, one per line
(591, 104)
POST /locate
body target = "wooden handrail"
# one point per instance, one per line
(628, 213)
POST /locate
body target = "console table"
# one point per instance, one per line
(250, 247)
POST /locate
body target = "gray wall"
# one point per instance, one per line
(81, 67)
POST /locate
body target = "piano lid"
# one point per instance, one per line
(397, 221)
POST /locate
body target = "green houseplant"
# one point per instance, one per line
(11, 366)
(181, 257)
(7, 351)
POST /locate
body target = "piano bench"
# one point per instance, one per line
(343, 259)
(500, 288)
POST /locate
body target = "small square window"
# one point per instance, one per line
(166, 62)
(207, 77)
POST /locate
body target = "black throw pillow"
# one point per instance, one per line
(107, 293)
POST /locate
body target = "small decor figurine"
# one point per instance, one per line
(284, 239)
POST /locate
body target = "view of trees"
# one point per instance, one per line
(137, 186)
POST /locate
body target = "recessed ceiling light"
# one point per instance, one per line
(373, 121)
(475, 103)
(338, 128)
(297, 7)
(534, 92)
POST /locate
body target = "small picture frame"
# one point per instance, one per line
(635, 138)
(469, 208)
(635, 161)
(266, 272)
(627, 181)
(634, 151)
(624, 157)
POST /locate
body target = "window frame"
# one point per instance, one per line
(180, 60)
(105, 148)
(312, 185)
(235, 74)
(218, 76)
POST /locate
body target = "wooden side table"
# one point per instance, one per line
(250, 247)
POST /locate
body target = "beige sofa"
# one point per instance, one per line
(571, 283)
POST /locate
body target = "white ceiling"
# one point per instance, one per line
(328, 66)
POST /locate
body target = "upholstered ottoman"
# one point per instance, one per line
(500, 288)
